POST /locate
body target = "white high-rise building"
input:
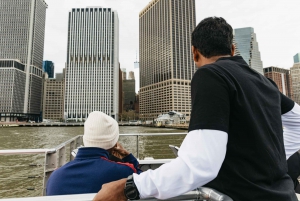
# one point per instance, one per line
(22, 30)
(92, 69)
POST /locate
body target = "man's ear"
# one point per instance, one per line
(232, 50)
(196, 55)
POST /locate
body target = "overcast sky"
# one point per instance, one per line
(275, 22)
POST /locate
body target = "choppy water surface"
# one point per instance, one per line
(15, 169)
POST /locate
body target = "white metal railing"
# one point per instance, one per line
(201, 194)
(57, 157)
(26, 151)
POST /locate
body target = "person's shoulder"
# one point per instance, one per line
(209, 70)
(63, 168)
(206, 69)
(120, 165)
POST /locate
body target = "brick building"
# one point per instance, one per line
(282, 77)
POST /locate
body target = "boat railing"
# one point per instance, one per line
(200, 194)
(61, 154)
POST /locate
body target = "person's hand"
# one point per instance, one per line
(113, 191)
(119, 152)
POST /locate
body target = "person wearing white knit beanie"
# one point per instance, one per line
(95, 163)
(100, 130)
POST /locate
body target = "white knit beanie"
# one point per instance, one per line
(100, 130)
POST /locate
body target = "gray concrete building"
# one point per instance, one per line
(22, 44)
(295, 73)
(124, 74)
(166, 63)
(12, 89)
(131, 75)
(92, 67)
(129, 94)
(247, 47)
(53, 100)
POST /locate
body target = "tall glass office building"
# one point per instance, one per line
(22, 30)
(247, 47)
(92, 70)
(48, 67)
(297, 58)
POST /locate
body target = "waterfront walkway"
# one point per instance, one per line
(72, 124)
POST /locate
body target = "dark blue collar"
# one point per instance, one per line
(91, 152)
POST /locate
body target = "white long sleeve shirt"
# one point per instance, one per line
(291, 130)
(200, 158)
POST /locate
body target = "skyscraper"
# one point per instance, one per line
(247, 47)
(48, 67)
(92, 70)
(137, 76)
(21, 55)
(282, 78)
(129, 94)
(166, 63)
(297, 58)
(295, 72)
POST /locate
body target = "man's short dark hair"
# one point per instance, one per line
(213, 37)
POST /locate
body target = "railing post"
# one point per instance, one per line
(72, 147)
(137, 147)
(79, 141)
(61, 156)
(50, 164)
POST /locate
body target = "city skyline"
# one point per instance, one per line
(264, 17)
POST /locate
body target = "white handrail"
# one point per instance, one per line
(53, 150)
(201, 193)
(26, 151)
(152, 134)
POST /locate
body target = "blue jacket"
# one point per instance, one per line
(90, 169)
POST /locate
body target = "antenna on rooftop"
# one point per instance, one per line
(136, 56)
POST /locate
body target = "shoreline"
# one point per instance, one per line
(62, 124)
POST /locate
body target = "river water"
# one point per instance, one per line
(15, 170)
